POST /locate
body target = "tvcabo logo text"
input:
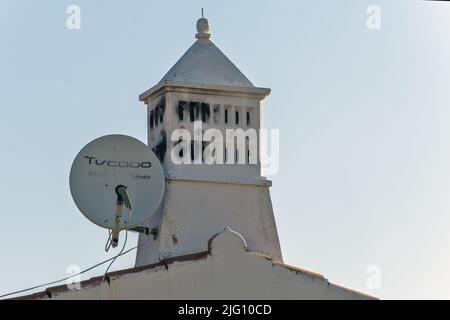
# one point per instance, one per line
(119, 164)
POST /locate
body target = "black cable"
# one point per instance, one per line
(114, 259)
(108, 242)
(81, 272)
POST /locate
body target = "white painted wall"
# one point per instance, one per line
(194, 211)
(201, 199)
(229, 271)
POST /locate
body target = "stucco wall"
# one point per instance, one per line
(194, 211)
(227, 271)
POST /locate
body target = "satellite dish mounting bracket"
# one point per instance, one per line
(122, 200)
(141, 229)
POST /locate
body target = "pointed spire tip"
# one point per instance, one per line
(203, 28)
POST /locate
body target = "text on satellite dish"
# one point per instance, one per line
(120, 164)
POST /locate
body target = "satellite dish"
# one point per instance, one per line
(113, 173)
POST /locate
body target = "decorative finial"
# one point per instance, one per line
(203, 28)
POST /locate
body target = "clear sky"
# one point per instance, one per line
(363, 116)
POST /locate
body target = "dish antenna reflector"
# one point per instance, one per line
(113, 172)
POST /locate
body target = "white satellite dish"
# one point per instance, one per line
(113, 172)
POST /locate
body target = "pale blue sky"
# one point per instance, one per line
(363, 116)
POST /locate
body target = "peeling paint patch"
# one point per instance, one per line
(161, 148)
(162, 109)
(180, 109)
(194, 111)
(205, 111)
(157, 115)
(151, 119)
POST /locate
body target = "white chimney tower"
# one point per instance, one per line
(214, 234)
(201, 200)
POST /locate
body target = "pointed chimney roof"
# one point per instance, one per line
(204, 65)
